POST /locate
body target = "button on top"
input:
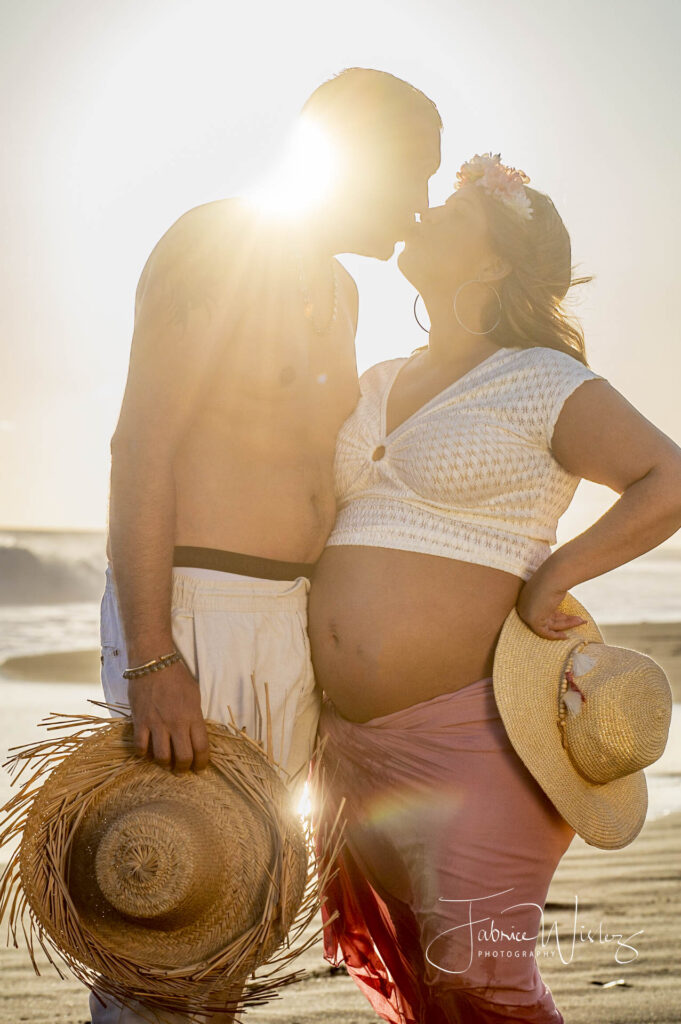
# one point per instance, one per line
(378, 453)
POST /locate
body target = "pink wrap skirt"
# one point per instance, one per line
(450, 846)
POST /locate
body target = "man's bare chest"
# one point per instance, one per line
(281, 375)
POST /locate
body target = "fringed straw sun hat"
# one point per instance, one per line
(585, 718)
(151, 886)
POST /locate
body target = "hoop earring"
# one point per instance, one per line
(416, 316)
(456, 313)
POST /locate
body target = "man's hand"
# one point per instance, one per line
(167, 718)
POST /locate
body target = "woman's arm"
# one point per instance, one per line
(601, 437)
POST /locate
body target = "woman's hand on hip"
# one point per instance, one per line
(538, 606)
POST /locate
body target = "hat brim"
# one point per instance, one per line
(68, 774)
(526, 673)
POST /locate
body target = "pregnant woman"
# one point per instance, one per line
(451, 476)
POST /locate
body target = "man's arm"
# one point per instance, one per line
(184, 314)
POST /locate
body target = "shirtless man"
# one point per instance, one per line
(242, 370)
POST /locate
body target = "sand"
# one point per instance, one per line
(635, 890)
(54, 667)
(604, 893)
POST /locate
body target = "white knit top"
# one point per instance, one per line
(470, 475)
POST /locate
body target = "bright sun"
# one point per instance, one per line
(304, 177)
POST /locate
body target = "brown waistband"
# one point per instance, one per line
(243, 565)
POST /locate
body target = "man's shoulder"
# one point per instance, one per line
(215, 217)
(197, 254)
(229, 233)
(213, 226)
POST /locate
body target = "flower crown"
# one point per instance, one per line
(499, 181)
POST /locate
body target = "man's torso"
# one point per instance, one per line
(253, 472)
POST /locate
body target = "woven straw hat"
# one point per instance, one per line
(172, 887)
(586, 719)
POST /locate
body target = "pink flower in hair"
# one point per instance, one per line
(504, 183)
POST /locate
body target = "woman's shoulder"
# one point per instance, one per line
(553, 364)
(377, 375)
(549, 378)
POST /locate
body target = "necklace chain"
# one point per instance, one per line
(308, 304)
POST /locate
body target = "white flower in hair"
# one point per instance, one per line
(504, 183)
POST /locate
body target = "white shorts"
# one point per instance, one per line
(235, 634)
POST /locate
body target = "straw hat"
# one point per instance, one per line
(585, 718)
(172, 887)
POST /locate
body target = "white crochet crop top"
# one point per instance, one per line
(470, 475)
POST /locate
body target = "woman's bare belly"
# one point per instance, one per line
(391, 628)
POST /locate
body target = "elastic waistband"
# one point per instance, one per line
(244, 565)
(244, 595)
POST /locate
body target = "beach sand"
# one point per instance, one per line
(54, 667)
(635, 890)
(634, 893)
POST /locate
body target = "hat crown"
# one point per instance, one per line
(103, 832)
(153, 863)
(618, 720)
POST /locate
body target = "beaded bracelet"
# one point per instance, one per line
(155, 665)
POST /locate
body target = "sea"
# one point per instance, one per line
(50, 589)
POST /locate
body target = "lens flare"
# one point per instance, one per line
(304, 177)
(304, 808)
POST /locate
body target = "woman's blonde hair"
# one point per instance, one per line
(532, 295)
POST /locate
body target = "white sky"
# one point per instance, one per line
(119, 115)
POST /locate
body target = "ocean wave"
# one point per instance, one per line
(28, 577)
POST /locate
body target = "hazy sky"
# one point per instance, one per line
(119, 115)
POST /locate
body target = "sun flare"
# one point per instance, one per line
(304, 807)
(304, 177)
